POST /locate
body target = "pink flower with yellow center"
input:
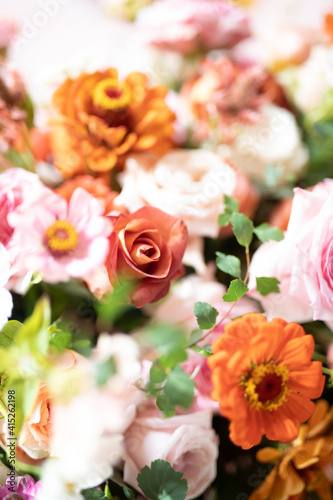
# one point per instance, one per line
(63, 239)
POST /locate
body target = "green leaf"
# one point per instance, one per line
(179, 388)
(157, 374)
(243, 229)
(204, 351)
(93, 494)
(236, 290)
(8, 333)
(171, 342)
(104, 371)
(266, 232)
(25, 396)
(60, 338)
(194, 337)
(162, 482)
(266, 286)
(34, 333)
(228, 264)
(206, 315)
(231, 204)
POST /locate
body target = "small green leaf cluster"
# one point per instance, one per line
(161, 482)
(168, 382)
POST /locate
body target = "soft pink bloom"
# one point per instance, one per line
(62, 240)
(8, 32)
(302, 261)
(18, 189)
(192, 25)
(25, 489)
(186, 441)
(6, 301)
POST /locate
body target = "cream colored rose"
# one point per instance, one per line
(274, 141)
(188, 184)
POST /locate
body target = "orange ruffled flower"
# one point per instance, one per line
(102, 120)
(97, 187)
(264, 378)
(329, 27)
(302, 466)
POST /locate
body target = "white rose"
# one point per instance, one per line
(188, 184)
(274, 141)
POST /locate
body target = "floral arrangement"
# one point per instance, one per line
(166, 276)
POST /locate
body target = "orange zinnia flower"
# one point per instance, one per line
(301, 467)
(102, 119)
(264, 378)
(97, 187)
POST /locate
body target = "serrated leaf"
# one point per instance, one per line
(231, 204)
(242, 228)
(265, 232)
(265, 286)
(8, 333)
(228, 264)
(206, 315)
(161, 482)
(236, 290)
(224, 219)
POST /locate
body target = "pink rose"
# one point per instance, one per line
(192, 25)
(186, 441)
(302, 261)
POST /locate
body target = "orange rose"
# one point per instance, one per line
(40, 144)
(148, 247)
(102, 119)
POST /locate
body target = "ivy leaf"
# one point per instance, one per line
(230, 206)
(8, 333)
(243, 229)
(236, 290)
(266, 286)
(265, 232)
(206, 315)
(162, 482)
(228, 264)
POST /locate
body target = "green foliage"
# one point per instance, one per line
(266, 232)
(170, 341)
(28, 107)
(114, 304)
(93, 494)
(161, 482)
(60, 337)
(206, 315)
(230, 206)
(194, 337)
(228, 264)
(266, 286)
(206, 350)
(236, 290)
(8, 333)
(23, 159)
(104, 371)
(243, 229)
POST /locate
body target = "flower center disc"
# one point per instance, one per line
(110, 95)
(61, 238)
(265, 386)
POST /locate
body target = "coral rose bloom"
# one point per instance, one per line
(264, 378)
(102, 119)
(148, 247)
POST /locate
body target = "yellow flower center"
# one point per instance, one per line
(265, 386)
(110, 95)
(61, 237)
